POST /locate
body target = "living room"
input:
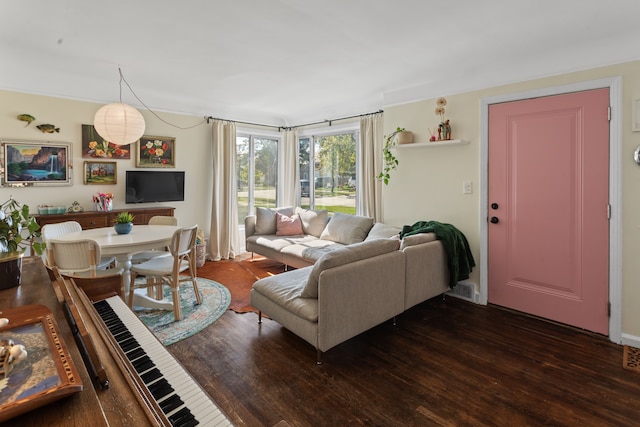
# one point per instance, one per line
(428, 183)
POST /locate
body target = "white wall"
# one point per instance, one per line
(193, 154)
(428, 182)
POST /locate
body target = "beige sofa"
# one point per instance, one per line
(350, 288)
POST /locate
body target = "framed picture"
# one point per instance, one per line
(95, 147)
(635, 115)
(35, 163)
(156, 152)
(100, 172)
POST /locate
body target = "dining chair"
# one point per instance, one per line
(166, 269)
(77, 260)
(142, 256)
(51, 231)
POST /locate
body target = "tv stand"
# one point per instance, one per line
(97, 219)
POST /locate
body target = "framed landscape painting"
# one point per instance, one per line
(35, 163)
(156, 152)
(100, 172)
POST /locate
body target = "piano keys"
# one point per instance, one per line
(179, 397)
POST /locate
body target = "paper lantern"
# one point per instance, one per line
(119, 123)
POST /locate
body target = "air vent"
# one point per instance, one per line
(464, 290)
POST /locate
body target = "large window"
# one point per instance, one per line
(257, 168)
(328, 172)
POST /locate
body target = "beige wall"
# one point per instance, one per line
(428, 183)
(193, 154)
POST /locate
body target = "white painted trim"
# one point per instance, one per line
(615, 187)
(632, 340)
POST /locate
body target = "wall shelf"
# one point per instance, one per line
(432, 144)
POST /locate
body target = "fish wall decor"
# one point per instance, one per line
(26, 118)
(47, 128)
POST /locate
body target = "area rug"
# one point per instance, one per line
(239, 275)
(215, 301)
(631, 359)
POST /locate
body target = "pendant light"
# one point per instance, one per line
(119, 123)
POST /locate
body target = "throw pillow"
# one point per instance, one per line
(288, 225)
(342, 256)
(266, 219)
(347, 229)
(313, 221)
(383, 231)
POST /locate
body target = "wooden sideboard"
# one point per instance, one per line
(97, 219)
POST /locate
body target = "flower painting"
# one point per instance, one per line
(156, 152)
(95, 147)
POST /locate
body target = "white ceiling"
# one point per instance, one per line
(288, 62)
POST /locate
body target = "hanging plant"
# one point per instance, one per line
(390, 161)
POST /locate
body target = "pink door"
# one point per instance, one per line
(548, 207)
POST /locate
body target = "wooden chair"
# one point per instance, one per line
(51, 231)
(167, 269)
(77, 260)
(142, 256)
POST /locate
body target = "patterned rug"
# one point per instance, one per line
(215, 301)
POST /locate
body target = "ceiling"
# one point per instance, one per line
(289, 62)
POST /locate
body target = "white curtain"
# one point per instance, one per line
(290, 188)
(224, 237)
(370, 188)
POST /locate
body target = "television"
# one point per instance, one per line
(154, 186)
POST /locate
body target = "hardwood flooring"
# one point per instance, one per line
(445, 363)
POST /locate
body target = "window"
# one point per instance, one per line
(257, 169)
(328, 171)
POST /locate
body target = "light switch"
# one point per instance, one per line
(467, 187)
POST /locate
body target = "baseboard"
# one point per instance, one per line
(631, 340)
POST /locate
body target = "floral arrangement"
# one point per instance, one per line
(444, 128)
(155, 150)
(106, 149)
(103, 201)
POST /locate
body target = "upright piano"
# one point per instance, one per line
(130, 377)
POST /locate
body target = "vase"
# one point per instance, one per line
(405, 137)
(123, 228)
(10, 269)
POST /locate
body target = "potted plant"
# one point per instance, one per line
(124, 223)
(17, 229)
(390, 161)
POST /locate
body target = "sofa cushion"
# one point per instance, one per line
(313, 221)
(342, 256)
(311, 250)
(266, 219)
(417, 239)
(383, 231)
(288, 225)
(278, 243)
(284, 289)
(347, 229)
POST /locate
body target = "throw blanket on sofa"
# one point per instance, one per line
(460, 258)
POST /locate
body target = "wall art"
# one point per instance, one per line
(95, 147)
(100, 172)
(35, 163)
(156, 152)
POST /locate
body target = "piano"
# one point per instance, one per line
(136, 381)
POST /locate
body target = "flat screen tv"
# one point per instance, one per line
(154, 186)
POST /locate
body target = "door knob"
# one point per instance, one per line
(494, 206)
(494, 220)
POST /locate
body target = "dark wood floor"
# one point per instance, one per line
(445, 363)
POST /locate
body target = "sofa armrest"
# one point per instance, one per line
(249, 226)
(355, 297)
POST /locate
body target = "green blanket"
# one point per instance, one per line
(460, 259)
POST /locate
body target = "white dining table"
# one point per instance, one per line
(141, 238)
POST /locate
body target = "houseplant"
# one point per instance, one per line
(124, 223)
(17, 229)
(390, 161)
